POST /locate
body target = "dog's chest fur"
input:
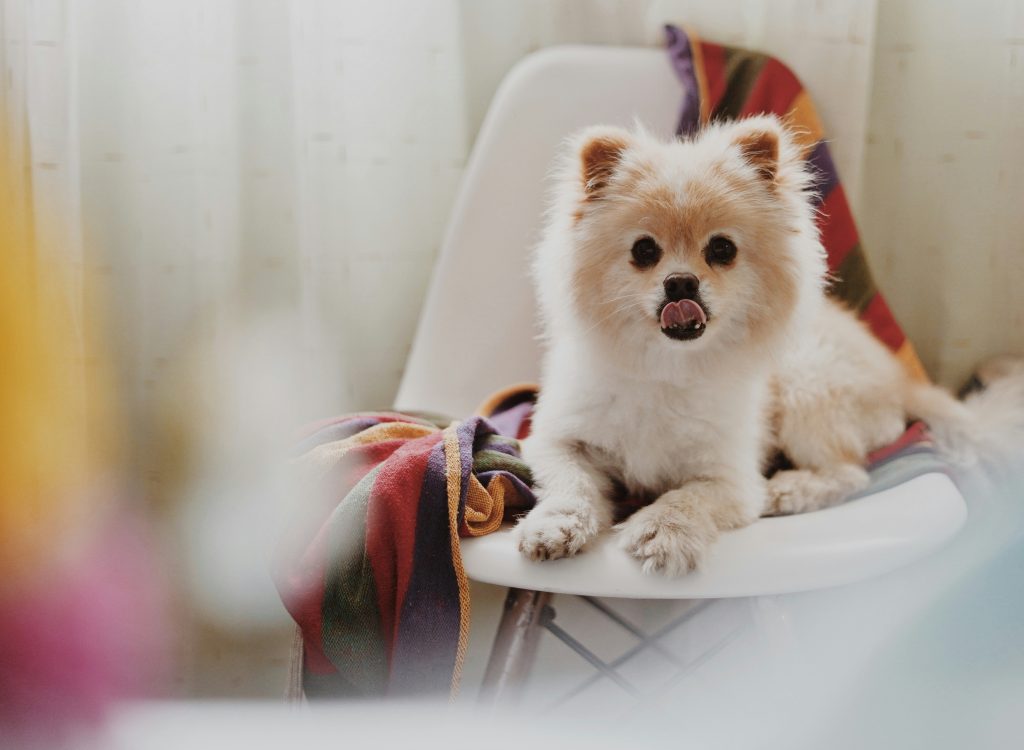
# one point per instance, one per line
(654, 436)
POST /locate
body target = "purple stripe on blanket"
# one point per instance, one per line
(509, 449)
(524, 490)
(681, 55)
(467, 435)
(508, 422)
(429, 612)
(825, 176)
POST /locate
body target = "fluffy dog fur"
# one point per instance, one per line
(686, 410)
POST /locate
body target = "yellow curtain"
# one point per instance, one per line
(56, 441)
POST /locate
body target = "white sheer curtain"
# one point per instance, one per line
(41, 122)
(268, 157)
(254, 192)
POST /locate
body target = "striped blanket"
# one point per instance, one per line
(371, 569)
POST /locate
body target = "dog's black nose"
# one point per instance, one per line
(681, 286)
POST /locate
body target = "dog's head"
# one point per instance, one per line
(691, 245)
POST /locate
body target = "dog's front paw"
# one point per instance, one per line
(549, 532)
(788, 493)
(669, 540)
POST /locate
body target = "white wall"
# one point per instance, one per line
(497, 33)
(943, 201)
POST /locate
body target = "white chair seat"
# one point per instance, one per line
(848, 543)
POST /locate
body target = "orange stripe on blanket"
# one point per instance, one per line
(329, 453)
(484, 506)
(488, 407)
(907, 356)
(698, 50)
(453, 471)
(803, 120)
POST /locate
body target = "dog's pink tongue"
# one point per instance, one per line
(685, 313)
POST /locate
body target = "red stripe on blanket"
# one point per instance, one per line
(838, 231)
(714, 72)
(524, 427)
(774, 91)
(302, 585)
(391, 528)
(880, 320)
(302, 592)
(916, 433)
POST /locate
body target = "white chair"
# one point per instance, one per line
(477, 334)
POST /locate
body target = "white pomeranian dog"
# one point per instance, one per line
(689, 339)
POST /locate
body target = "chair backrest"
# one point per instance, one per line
(477, 332)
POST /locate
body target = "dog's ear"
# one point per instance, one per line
(761, 141)
(600, 151)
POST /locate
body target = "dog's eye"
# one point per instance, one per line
(720, 251)
(646, 252)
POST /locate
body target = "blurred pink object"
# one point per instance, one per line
(79, 636)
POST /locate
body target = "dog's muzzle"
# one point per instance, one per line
(682, 315)
(683, 319)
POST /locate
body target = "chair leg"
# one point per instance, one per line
(515, 646)
(293, 688)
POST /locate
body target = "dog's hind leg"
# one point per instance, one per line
(827, 433)
(803, 490)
